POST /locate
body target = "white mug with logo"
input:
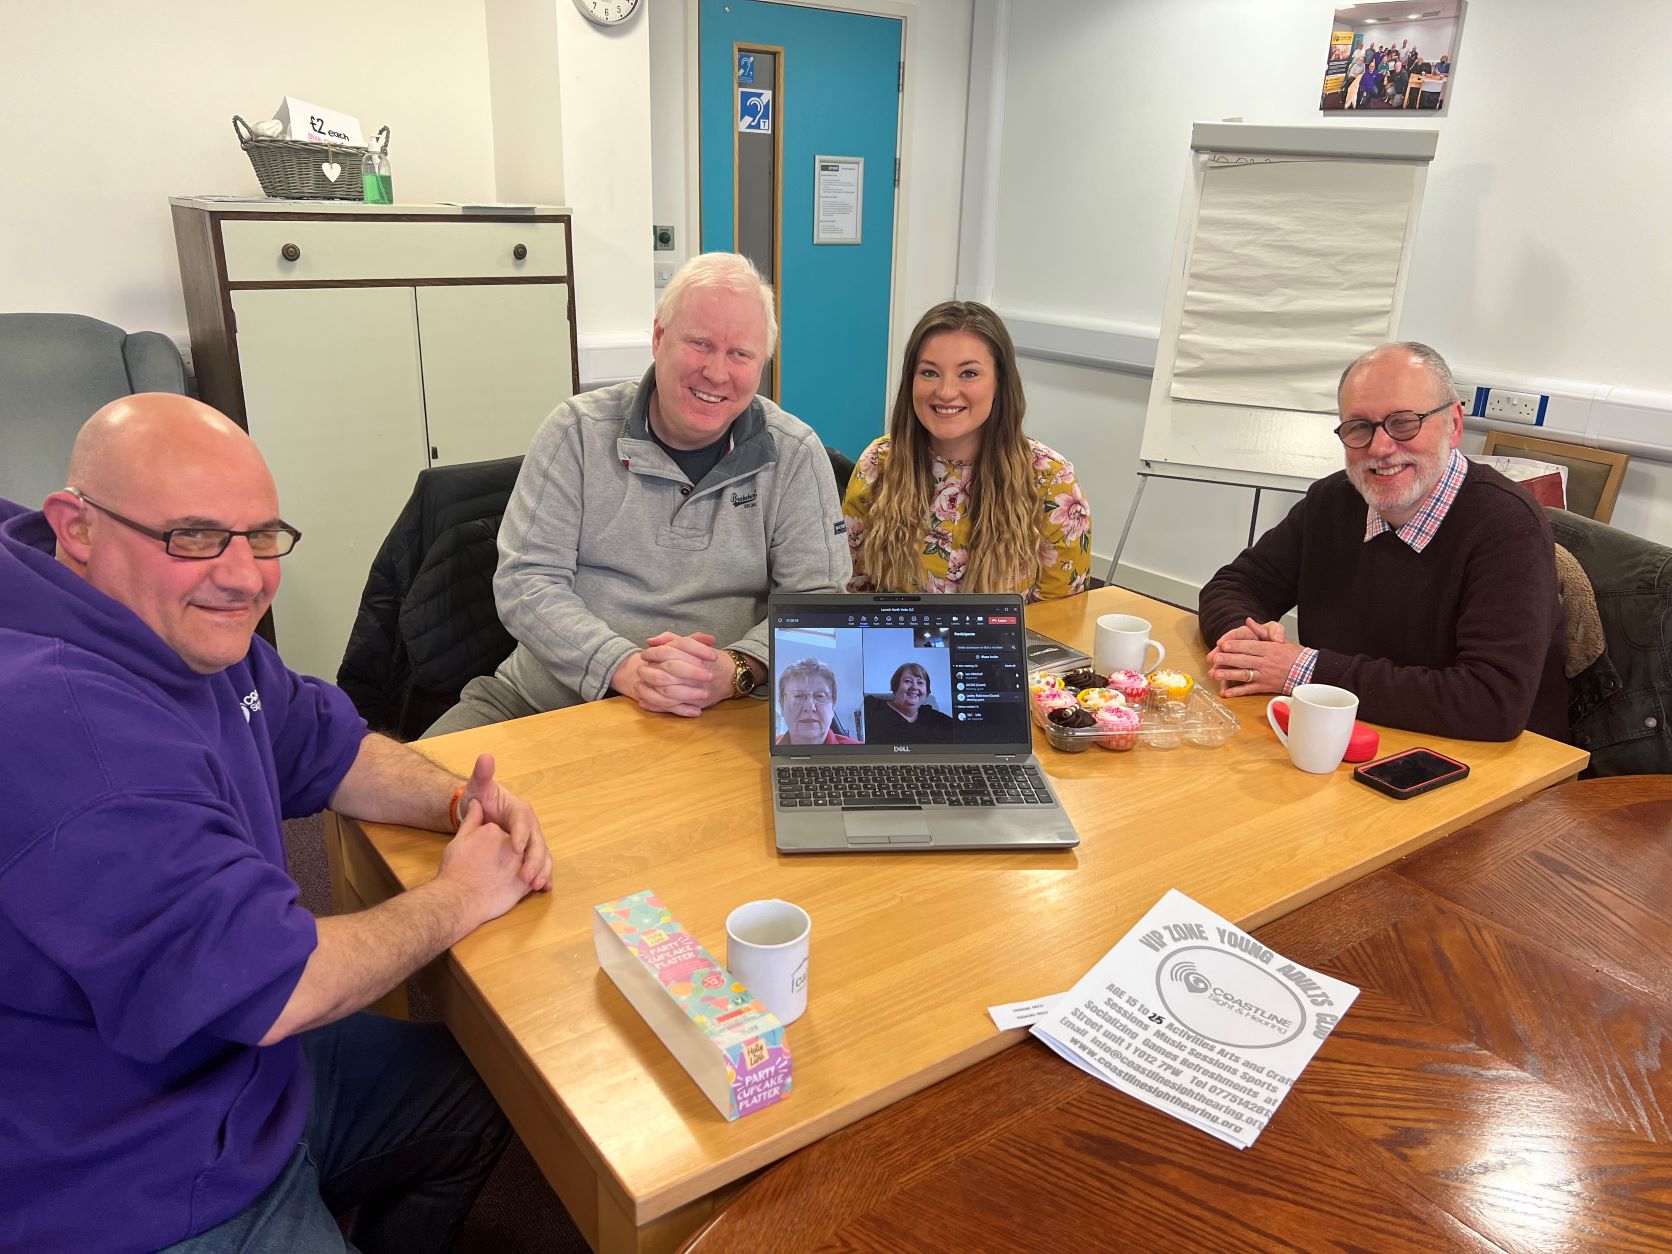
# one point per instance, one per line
(1122, 642)
(1320, 725)
(767, 944)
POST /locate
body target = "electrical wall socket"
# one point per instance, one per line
(1507, 406)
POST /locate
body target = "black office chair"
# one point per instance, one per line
(841, 466)
(427, 624)
(1618, 706)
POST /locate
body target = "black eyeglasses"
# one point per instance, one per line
(201, 544)
(1401, 425)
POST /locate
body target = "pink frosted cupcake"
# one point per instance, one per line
(1046, 683)
(1131, 685)
(1047, 699)
(1095, 699)
(1117, 727)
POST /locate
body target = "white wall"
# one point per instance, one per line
(112, 108)
(1541, 249)
(932, 160)
(673, 75)
(571, 111)
(527, 94)
(605, 77)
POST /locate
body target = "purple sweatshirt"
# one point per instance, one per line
(149, 932)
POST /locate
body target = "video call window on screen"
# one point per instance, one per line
(902, 677)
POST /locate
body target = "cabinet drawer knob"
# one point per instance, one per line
(290, 252)
(520, 251)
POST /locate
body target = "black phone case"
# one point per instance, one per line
(1404, 794)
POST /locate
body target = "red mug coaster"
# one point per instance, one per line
(1361, 745)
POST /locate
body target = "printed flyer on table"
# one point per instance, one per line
(1194, 1016)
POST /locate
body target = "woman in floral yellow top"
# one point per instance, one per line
(955, 498)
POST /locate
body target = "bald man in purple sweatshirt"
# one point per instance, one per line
(181, 1061)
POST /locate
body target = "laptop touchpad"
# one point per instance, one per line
(885, 823)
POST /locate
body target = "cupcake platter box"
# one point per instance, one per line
(731, 1045)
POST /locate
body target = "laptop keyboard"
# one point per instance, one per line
(902, 787)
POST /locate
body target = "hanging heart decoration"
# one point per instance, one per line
(331, 170)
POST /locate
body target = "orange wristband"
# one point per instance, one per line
(453, 806)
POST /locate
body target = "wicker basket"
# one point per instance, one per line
(292, 169)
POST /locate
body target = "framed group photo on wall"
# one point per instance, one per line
(1391, 54)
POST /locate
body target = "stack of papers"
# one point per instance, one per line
(1195, 1017)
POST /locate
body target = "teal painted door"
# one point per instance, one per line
(839, 97)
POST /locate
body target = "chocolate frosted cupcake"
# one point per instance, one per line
(1084, 678)
(1068, 729)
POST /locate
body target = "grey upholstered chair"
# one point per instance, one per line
(55, 370)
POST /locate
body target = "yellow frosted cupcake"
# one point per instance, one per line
(1172, 685)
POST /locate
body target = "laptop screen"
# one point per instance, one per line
(852, 674)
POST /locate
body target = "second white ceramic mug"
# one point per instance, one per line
(767, 945)
(1320, 725)
(1122, 642)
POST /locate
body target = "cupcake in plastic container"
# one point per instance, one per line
(1068, 728)
(1117, 727)
(1131, 685)
(1047, 699)
(1095, 699)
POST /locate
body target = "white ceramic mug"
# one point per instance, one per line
(767, 944)
(1320, 725)
(1122, 641)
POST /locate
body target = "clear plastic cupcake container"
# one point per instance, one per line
(1199, 720)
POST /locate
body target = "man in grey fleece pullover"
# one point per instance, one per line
(651, 520)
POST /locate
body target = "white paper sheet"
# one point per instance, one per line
(1292, 273)
(1197, 1018)
(1021, 1014)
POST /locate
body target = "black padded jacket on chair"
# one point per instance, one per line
(427, 623)
(1617, 706)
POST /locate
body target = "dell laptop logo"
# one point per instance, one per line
(902, 748)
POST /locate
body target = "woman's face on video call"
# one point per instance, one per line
(911, 691)
(808, 704)
(953, 385)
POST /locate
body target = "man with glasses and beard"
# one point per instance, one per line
(1424, 583)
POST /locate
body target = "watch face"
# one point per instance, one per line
(607, 12)
(745, 680)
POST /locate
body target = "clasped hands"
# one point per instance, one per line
(1255, 657)
(677, 674)
(488, 807)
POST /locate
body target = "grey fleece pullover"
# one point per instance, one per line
(605, 543)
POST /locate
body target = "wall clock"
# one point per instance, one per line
(607, 12)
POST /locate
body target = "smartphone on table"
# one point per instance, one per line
(1414, 771)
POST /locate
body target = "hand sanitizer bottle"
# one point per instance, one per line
(376, 174)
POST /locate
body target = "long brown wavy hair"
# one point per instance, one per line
(1006, 526)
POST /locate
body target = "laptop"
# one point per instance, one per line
(901, 722)
(1045, 652)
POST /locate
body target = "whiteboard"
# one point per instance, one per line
(1291, 257)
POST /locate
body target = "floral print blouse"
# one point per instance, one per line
(1064, 551)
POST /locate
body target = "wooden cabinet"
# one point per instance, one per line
(360, 344)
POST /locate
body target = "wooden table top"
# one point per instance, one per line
(908, 949)
(1504, 1081)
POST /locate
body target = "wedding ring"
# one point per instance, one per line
(1250, 678)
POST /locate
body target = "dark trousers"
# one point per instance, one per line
(401, 1130)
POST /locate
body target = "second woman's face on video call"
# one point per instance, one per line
(952, 391)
